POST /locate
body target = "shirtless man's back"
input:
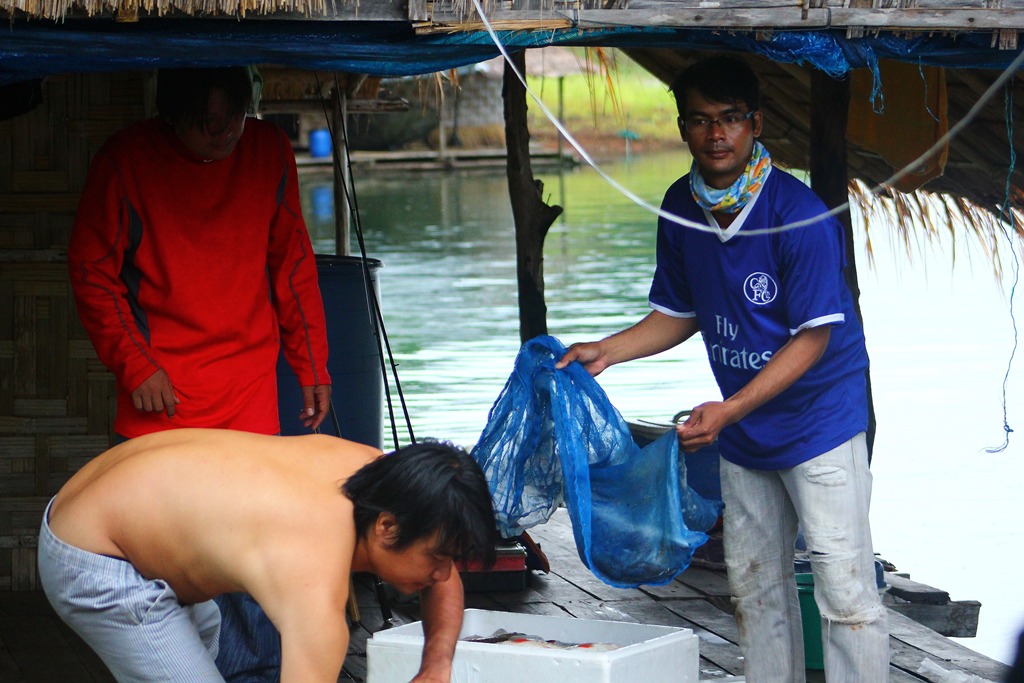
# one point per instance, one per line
(205, 512)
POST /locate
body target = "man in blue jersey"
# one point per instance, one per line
(787, 351)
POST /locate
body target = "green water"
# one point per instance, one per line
(448, 289)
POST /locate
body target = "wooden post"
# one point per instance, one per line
(561, 113)
(442, 142)
(830, 103)
(533, 218)
(341, 177)
(453, 138)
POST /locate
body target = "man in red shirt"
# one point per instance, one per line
(192, 268)
(191, 264)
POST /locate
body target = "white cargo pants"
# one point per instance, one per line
(828, 498)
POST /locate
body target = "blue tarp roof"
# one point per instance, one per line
(37, 48)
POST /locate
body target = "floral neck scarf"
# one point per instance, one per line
(733, 198)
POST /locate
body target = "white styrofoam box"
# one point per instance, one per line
(648, 653)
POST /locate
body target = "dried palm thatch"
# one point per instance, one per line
(129, 10)
(921, 218)
(461, 14)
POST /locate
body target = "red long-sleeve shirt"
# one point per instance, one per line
(202, 269)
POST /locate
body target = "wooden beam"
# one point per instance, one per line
(916, 19)
(779, 16)
(748, 16)
(955, 619)
(676, 14)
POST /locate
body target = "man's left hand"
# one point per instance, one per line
(702, 427)
(316, 402)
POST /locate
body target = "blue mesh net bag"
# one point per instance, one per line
(553, 436)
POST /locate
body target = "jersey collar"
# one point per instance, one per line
(741, 218)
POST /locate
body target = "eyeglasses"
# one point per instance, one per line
(728, 122)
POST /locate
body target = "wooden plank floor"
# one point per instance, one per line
(698, 599)
(35, 647)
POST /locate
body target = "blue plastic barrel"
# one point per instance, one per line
(320, 143)
(352, 359)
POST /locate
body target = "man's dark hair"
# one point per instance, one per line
(720, 78)
(182, 94)
(431, 486)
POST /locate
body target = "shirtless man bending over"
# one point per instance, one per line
(136, 544)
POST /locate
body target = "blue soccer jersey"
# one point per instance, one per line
(751, 294)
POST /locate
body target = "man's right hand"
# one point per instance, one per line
(156, 394)
(590, 356)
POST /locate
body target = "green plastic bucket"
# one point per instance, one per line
(811, 619)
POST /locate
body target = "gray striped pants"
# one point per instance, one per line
(136, 625)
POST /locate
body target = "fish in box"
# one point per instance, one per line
(644, 652)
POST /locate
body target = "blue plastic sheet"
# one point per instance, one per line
(32, 49)
(553, 436)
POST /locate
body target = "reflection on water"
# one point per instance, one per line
(939, 339)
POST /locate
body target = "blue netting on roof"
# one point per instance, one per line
(37, 48)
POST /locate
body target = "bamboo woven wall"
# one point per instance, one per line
(56, 399)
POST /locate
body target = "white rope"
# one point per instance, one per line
(679, 220)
